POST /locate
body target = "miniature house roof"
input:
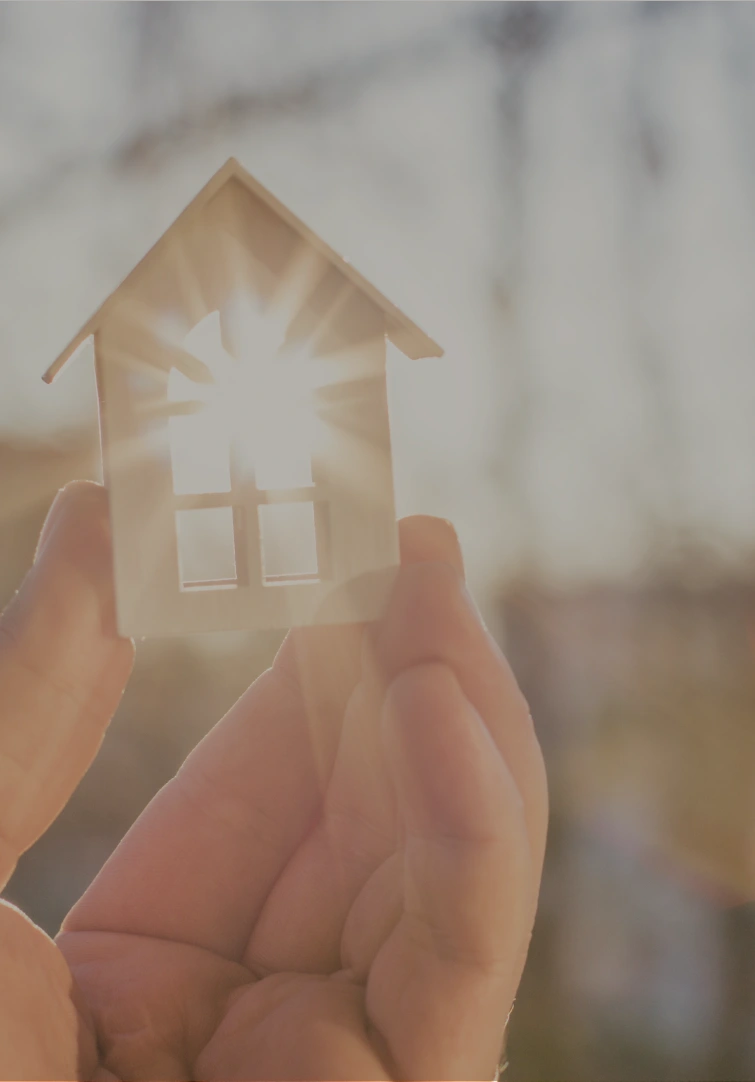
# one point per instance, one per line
(401, 331)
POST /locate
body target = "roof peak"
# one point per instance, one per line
(404, 334)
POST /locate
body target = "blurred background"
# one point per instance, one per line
(562, 195)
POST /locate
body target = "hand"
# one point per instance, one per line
(339, 883)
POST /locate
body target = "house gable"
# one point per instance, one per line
(244, 212)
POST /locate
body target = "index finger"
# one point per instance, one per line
(62, 669)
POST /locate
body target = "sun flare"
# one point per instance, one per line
(258, 413)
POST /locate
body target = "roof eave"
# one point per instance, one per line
(412, 341)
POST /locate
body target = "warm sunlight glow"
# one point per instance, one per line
(260, 401)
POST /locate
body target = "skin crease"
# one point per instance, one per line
(339, 883)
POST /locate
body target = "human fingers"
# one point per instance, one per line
(62, 669)
(355, 829)
(432, 618)
(441, 986)
(324, 663)
(199, 862)
(202, 859)
(427, 539)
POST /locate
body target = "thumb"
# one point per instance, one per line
(62, 669)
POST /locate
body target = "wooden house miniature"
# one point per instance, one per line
(244, 423)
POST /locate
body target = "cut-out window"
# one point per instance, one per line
(200, 439)
(275, 429)
(288, 542)
(206, 550)
(200, 452)
(283, 459)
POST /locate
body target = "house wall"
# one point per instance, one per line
(344, 335)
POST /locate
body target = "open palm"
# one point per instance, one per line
(340, 882)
